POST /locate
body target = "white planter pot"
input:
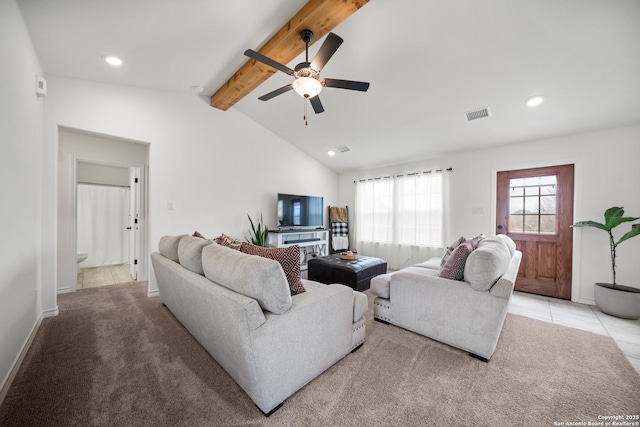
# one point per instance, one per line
(620, 302)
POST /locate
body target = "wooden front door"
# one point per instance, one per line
(535, 209)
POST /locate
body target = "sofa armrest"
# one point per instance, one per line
(360, 305)
(504, 286)
(379, 285)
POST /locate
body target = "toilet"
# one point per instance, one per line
(81, 256)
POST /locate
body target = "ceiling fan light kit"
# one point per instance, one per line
(306, 75)
(307, 87)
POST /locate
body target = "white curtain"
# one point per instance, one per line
(103, 218)
(401, 219)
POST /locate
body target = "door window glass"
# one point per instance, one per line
(532, 205)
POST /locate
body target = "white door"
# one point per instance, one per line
(134, 221)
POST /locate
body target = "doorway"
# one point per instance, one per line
(107, 229)
(75, 147)
(535, 208)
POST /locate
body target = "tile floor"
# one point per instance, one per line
(626, 333)
(94, 277)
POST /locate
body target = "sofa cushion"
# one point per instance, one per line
(454, 267)
(190, 253)
(487, 263)
(259, 278)
(168, 247)
(289, 259)
(431, 263)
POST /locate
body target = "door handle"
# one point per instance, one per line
(499, 227)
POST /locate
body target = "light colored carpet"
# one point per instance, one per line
(114, 357)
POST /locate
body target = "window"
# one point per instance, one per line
(296, 209)
(403, 210)
(374, 206)
(532, 205)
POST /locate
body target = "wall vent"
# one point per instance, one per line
(480, 113)
(343, 148)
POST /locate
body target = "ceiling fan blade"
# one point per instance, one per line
(276, 92)
(328, 48)
(268, 61)
(316, 104)
(346, 84)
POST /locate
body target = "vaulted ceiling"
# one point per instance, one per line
(428, 63)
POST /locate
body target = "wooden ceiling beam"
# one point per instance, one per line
(319, 16)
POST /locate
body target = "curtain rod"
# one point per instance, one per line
(104, 185)
(401, 175)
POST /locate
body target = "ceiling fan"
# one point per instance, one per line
(307, 81)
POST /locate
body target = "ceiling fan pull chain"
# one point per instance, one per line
(305, 112)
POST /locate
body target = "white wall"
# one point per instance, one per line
(73, 146)
(214, 166)
(607, 174)
(20, 189)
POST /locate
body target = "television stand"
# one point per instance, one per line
(298, 241)
(310, 240)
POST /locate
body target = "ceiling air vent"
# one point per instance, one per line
(480, 113)
(343, 148)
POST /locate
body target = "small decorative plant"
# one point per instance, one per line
(613, 217)
(258, 236)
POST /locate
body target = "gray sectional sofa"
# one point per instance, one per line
(465, 314)
(240, 309)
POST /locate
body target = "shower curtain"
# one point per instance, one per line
(103, 218)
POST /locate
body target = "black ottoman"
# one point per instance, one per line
(355, 273)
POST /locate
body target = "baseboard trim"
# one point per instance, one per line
(52, 312)
(65, 290)
(6, 384)
(586, 301)
(153, 293)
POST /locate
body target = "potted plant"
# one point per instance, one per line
(258, 236)
(612, 298)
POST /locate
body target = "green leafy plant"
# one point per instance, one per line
(258, 236)
(613, 217)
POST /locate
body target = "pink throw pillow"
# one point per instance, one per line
(454, 267)
(229, 242)
(450, 250)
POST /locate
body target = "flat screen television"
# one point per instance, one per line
(300, 211)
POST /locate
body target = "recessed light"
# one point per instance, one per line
(112, 60)
(331, 153)
(535, 100)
